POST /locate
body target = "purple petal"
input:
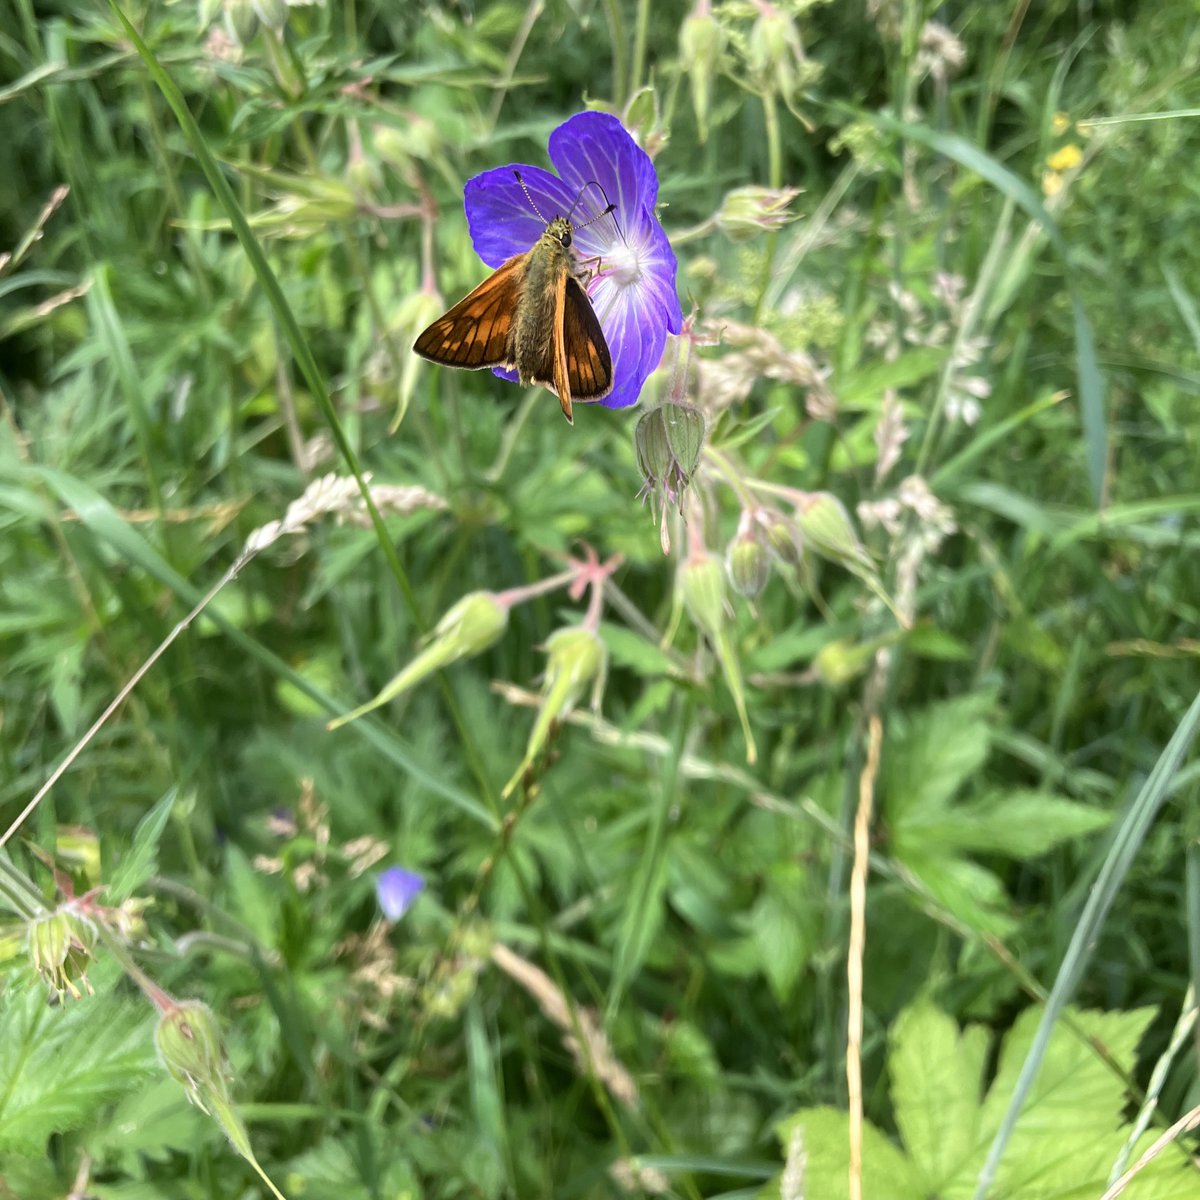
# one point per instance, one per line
(594, 147)
(635, 295)
(501, 219)
(396, 889)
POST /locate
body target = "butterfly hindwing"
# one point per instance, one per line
(475, 333)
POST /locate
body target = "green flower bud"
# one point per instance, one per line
(60, 950)
(273, 13)
(771, 42)
(783, 539)
(577, 657)
(701, 40)
(668, 441)
(189, 1043)
(748, 565)
(826, 526)
(841, 661)
(748, 211)
(468, 628)
(702, 584)
(641, 115)
(241, 21)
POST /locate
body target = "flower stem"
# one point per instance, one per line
(774, 146)
(639, 47)
(616, 32)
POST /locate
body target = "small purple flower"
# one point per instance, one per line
(634, 295)
(397, 889)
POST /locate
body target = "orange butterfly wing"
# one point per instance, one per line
(576, 364)
(475, 333)
(589, 364)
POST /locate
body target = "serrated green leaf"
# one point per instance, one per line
(154, 1122)
(972, 893)
(931, 758)
(937, 1081)
(59, 1065)
(139, 862)
(780, 924)
(887, 1174)
(1068, 1134)
(1021, 824)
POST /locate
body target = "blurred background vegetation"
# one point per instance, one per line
(974, 323)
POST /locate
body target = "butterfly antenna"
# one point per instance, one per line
(529, 197)
(609, 207)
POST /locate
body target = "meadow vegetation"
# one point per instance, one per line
(780, 787)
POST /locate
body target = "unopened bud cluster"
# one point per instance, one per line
(60, 949)
(668, 441)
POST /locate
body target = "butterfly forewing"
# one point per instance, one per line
(475, 333)
(589, 363)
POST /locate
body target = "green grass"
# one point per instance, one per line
(633, 966)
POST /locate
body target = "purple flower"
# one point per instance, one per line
(397, 889)
(634, 295)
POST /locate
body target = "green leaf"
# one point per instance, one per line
(629, 649)
(253, 902)
(824, 1132)
(937, 1080)
(780, 922)
(140, 861)
(1068, 1134)
(1022, 824)
(866, 383)
(931, 757)
(972, 893)
(59, 1065)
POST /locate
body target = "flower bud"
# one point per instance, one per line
(748, 211)
(702, 585)
(783, 539)
(60, 949)
(774, 44)
(701, 40)
(272, 13)
(825, 525)
(668, 440)
(747, 564)
(241, 21)
(577, 657)
(468, 628)
(841, 661)
(189, 1044)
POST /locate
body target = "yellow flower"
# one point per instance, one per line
(1066, 159)
(1060, 124)
(1052, 184)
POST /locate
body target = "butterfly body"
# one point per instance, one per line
(531, 316)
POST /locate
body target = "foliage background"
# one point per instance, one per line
(696, 906)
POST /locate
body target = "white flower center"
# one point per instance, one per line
(623, 263)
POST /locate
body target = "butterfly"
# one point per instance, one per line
(532, 316)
